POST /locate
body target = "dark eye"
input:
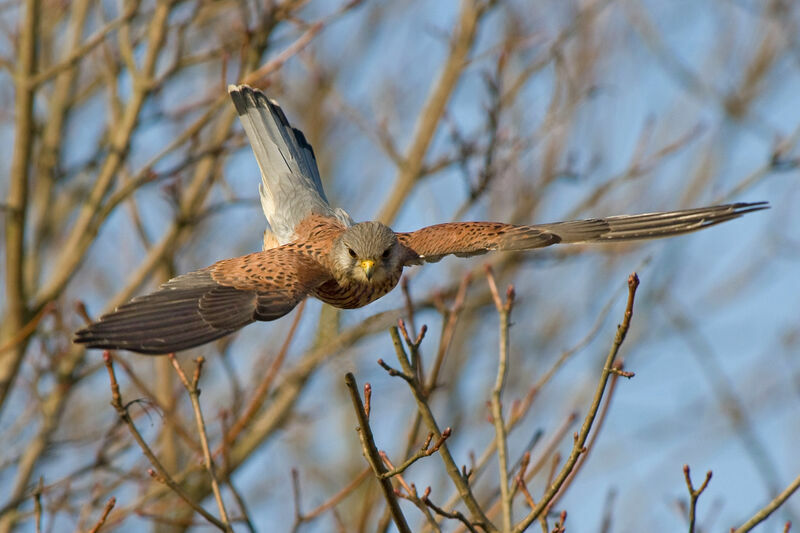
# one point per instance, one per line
(351, 252)
(386, 253)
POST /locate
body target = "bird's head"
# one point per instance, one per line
(368, 252)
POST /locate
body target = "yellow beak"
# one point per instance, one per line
(368, 265)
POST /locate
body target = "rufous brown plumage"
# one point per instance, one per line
(311, 249)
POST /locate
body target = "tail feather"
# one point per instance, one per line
(291, 188)
(465, 239)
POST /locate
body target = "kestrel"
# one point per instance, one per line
(312, 249)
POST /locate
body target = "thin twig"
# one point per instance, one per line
(37, 504)
(578, 447)
(559, 525)
(448, 332)
(87, 223)
(768, 509)
(367, 399)
(372, 455)
(264, 386)
(454, 515)
(81, 52)
(179, 428)
(424, 451)
(694, 494)
(162, 474)
(194, 395)
(523, 407)
(226, 470)
(433, 110)
(16, 308)
(411, 494)
(112, 501)
(616, 372)
(459, 480)
(519, 410)
(27, 330)
(298, 513)
(608, 512)
(504, 312)
(520, 480)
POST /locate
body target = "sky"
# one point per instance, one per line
(737, 284)
(670, 413)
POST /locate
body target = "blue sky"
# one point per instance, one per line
(738, 284)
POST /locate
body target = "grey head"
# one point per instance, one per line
(368, 252)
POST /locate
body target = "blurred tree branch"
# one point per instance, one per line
(122, 152)
(17, 202)
(434, 107)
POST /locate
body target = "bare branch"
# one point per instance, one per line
(194, 395)
(580, 440)
(160, 473)
(434, 108)
(372, 455)
(768, 509)
(460, 481)
(17, 201)
(694, 494)
(103, 517)
(504, 311)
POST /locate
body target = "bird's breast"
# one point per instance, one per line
(354, 294)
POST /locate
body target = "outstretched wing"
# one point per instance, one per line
(432, 243)
(202, 306)
(290, 188)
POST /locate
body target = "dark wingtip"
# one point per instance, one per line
(742, 208)
(82, 336)
(88, 337)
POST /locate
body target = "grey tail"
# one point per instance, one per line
(291, 187)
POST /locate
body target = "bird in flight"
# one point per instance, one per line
(312, 249)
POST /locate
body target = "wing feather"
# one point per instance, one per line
(202, 306)
(463, 239)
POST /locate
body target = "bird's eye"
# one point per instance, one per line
(386, 253)
(351, 252)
